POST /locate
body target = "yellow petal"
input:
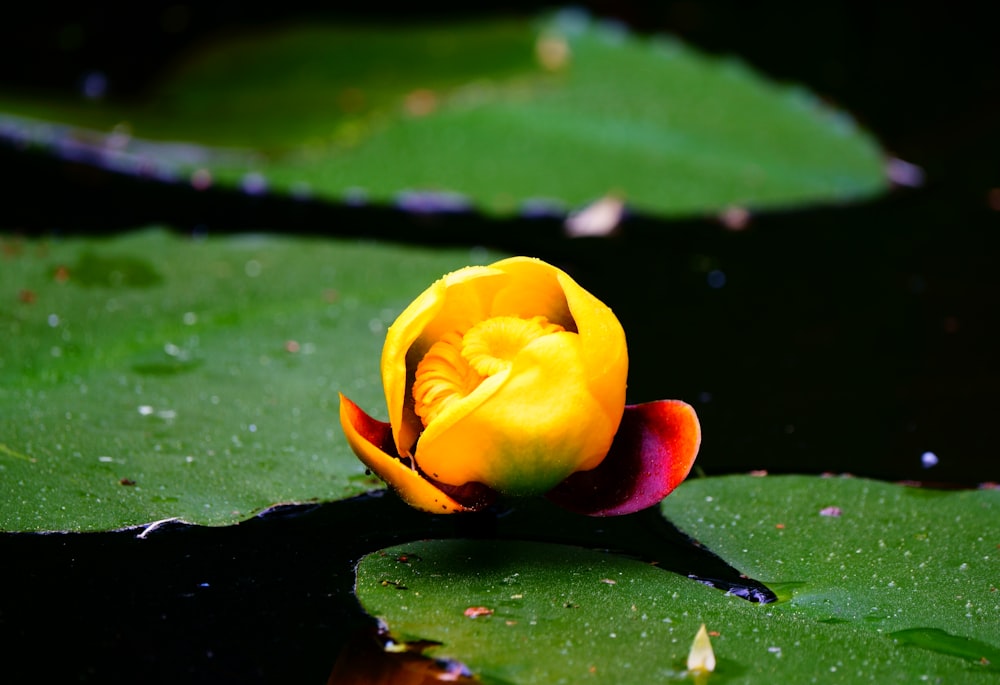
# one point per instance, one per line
(603, 347)
(538, 288)
(523, 430)
(455, 301)
(362, 433)
(398, 340)
(701, 658)
(532, 290)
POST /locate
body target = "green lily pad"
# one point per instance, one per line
(894, 589)
(503, 116)
(920, 564)
(150, 376)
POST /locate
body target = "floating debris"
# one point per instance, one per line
(597, 219)
(552, 51)
(735, 218)
(904, 173)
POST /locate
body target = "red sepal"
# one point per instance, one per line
(652, 453)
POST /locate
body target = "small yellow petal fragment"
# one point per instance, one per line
(702, 658)
(552, 52)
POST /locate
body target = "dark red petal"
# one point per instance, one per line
(375, 432)
(652, 453)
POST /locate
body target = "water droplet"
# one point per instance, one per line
(254, 184)
(94, 85)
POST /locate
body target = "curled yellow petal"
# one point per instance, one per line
(451, 303)
(532, 289)
(603, 348)
(523, 430)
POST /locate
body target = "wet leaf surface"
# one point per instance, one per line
(151, 376)
(874, 595)
(504, 116)
(912, 564)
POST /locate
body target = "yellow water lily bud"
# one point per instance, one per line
(510, 375)
(510, 378)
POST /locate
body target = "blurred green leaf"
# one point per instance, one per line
(899, 587)
(499, 115)
(150, 376)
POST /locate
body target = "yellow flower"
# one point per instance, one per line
(506, 378)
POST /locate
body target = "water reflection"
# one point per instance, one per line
(371, 659)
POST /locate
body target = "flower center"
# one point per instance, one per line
(456, 364)
(491, 345)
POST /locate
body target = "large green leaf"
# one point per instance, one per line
(900, 587)
(870, 554)
(471, 114)
(150, 376)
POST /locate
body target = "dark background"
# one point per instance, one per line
(845, 338)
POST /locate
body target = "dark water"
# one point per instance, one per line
(853, 338)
